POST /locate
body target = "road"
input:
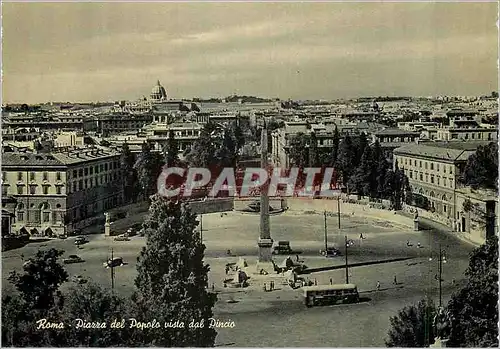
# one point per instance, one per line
(279, 318)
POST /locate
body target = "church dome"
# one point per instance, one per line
(158, 92)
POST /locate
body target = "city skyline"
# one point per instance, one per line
(284, 50)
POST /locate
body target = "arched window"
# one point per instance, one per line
(20, 212)
(444, 198)
(44, 212)
(432, 194)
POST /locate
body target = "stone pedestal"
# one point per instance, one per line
(415, 225)
(265, 250)
(107, 229)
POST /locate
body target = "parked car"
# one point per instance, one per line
(122, 237)
(78, 279)
(115, 262)
(73, 259)
(255, 206)
(330, 252)
(80, 240)
(62, 236)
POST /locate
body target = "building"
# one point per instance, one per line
(433, 170)
(61, 191)
(117, 123)
(466, 130)
(392, 138)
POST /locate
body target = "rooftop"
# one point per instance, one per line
(449, 151)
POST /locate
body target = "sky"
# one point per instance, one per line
(117, 51)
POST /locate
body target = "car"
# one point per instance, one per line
(255, 206)
(62, 236)
(131, 232)
(330, 252)
(283, 247)
(80, 240)
(73, 259)
(78, 279)
(115, 262)
(122, 237)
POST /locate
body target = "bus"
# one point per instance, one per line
(330, 294)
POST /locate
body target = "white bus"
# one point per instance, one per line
(330, 294)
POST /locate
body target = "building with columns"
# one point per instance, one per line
(61, 191)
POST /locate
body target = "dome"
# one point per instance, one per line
(158, 92)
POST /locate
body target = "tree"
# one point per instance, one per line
(208, 150)
(360, 143)
(129, 174)
(313, 151)
(171, 150)
(474, 308)
(412, 326)
(39, 284)
(92, 303)
(298, 151)
(381, 167)
(481, 169)
(363, 180)
(238, 135)
(39, 297)
(344, 163)
(172, 278)
(332, 158)
(148, 167)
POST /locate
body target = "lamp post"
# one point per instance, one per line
(201, 227)
(346, 265)
(441, 260)
(326, 236)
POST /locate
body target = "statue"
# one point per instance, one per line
(442, 323)
(415, 217)
(106, 214)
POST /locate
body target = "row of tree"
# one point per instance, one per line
(470, 318)
(360, 167)
(217, 146)
(171, 284)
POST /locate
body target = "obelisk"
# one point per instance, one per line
(265, 242)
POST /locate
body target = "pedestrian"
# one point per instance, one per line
(315, 282)
(408, 243)
(331, 281)
(378, 285)
(213, 286)
(395, 280)
(361, 236)
(272, 285)
(227, 269)
(265, 289)
(297, 258)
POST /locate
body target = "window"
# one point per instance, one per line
(437, 167)
(46, 216)
(75, 174)
(80, 172)
(19, 190)
(32, 176)
(426, 177)
(420, 164)
(421, 176)
(5, 190)
(101, 167)
(4, 176)
(20, 216)
(91, 182)
(19, 176)
(91, 170)
(425, 164)
(411, 174)
(444, 208)
(80, 184)
(96, 169)
(106, 166)
(58, 189)
(45, 189)
(86, 171)
(58, 176)
(74, 187)
(45, 176)
(432, 166)
(32, 189)
(432, 179)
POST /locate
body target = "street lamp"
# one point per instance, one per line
(441, 260)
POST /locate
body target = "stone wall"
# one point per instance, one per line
(212, 205)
